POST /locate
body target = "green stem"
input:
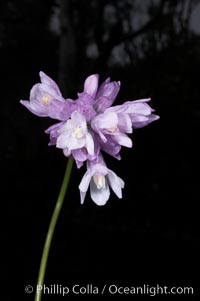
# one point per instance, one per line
(51, 229)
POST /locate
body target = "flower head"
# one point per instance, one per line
(90, 125)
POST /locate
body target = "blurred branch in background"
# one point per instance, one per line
(97, 35)
(80, 37)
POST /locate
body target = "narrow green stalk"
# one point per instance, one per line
(51, 229)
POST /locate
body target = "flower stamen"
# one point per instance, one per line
(46, 100)
(113, 129)
(99, 181)
(78, 133)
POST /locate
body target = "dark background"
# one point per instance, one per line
(151, 236)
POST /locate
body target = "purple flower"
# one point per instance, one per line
(116, 122)
(46, 100)
(74, 137)
(112, 127)
(110, 147)
(99, 178)
(91, 85)
(99, 98)
(139, 112)
(106, 95)
(89, 125)
(54, 132)
(84, 104)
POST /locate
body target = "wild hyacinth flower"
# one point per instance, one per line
(113, 127)
(88, 126)
(74, 138)
(99, 177)
(46, 100)
(101, 97)
(116, 122)
(75, 135)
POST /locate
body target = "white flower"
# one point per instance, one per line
(99, 177)
(74, 135)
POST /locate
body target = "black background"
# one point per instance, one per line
(151, 236)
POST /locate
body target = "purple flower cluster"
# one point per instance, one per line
(89, 125)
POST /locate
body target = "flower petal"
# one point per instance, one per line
(111, 148)
(116, 183)
(139, 121)
(79, 164)
(102, 87)
(99, 196)
(82, 195)
(124, 123)
(79, 155)
(91, 85)
(104, 121)
(45, 79)
(78, 119)
(62, 141)
(83, 186)
(122, 139)
(66, 152)
(89, 144)
(35, 108)
(106, 96)
(54, 132)
(137, 107)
